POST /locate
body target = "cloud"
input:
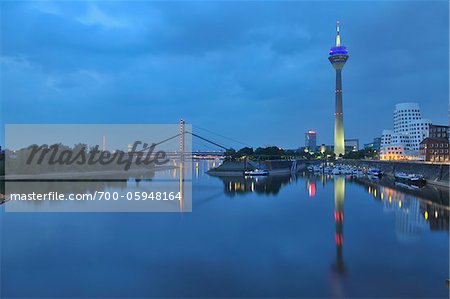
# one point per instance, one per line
(250, 61)
(97, 17)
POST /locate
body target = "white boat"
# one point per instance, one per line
(415, 179)
(375, 172)
(338, 170)
(328, 169)
(348, 170)
(357, 172)
(256, 172)
(317, 168)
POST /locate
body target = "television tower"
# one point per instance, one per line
(338, 56)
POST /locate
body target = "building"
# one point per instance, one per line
(403, 143)
(353, 144)
(374, 145)
(386, 137)
(323, 149)
(103, 143)
(409, 127)
(338, 56)
(394, 152)
(403, 114)
(435, 148)
(437, 131)
(311, 140)
(417, 131)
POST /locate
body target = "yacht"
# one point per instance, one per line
(413, 179)
(375, 172)
(357, 172)
(338, 170)
(256, 172)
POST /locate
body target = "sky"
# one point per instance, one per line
(255, 72)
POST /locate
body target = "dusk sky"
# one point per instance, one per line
(256, 72)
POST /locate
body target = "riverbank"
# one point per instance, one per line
(434, 174)
(94, 175)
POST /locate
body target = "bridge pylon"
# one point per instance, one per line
(182, 139)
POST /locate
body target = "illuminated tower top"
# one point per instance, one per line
(338, 53)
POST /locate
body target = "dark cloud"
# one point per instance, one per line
(224, 65)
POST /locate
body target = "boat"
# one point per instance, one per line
(338, 170)
(375, 172)
(357, 172)
(256, 172)
(348, 170)
(328, 170)
(317, 168)
(412, 179)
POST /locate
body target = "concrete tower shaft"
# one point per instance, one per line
(338, 57)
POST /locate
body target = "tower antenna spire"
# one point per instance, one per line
(338, 36)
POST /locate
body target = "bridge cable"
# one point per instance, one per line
(243, 143)
(212, 142)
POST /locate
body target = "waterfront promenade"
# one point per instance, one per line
(436, 174)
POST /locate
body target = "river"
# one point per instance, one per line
(279, 236)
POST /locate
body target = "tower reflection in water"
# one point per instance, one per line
(339, 193)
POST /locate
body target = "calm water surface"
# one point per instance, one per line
(303, 236)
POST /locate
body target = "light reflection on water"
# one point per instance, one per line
(276, 236)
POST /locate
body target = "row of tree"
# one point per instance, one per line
(275, 152)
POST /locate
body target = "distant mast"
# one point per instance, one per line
(338, 56)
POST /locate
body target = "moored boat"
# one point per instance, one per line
(357, 172)
(412, 179)
(338, 170)
(256, 172)
(375, 172)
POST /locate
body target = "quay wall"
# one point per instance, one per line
(434, 173)
(437, 174)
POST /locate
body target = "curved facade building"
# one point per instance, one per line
(409, 130)
(403, 114)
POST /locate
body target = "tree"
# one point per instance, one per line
(230, 154)
(245, 151)
(273, 152)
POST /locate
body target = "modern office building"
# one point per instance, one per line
(436, 147)
(338, 56)
(418, 130)
(311, 140)
(374, 145)
(404, 113)
(393, 152)
(403, 143)
(386, 137)
(353, 144)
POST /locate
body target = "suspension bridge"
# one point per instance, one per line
(207, 148)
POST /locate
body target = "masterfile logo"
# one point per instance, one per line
(43, 161)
